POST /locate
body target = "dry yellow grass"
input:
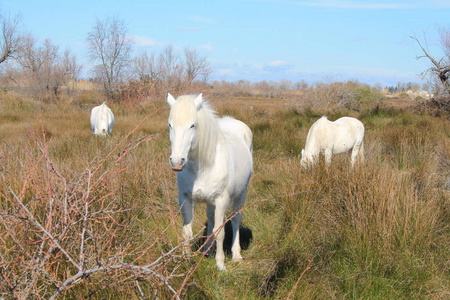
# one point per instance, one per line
(378, 232)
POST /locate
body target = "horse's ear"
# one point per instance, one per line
(199, 100)
(170, 99)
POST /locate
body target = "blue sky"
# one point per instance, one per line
(311, 40)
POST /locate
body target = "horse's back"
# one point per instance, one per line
(340, 135)
(348, 133)
(238, 137)
(232, 126)
(351, 127)
(350, 121)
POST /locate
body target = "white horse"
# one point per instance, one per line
(213, 158)
(102, 120)
(336, 137)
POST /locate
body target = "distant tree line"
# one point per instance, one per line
(42, 70)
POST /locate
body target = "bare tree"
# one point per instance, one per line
(38, 65)
(144, 68)
(110, 48)
(12, 41)
(196, 65)
(286, 84)
(441, 67)
(44, 71)
(171, 70)
(302, 85)
(168, 71)
(70, 70)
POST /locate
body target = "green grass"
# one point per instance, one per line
(380, 231)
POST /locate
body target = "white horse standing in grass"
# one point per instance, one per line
(213, 158)
(102, 120)
(336, 137)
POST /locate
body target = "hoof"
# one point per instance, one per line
(221, 267)
(238, 259)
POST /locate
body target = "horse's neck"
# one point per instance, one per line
(312, 145)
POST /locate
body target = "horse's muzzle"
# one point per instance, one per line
(177, 169)
(177, 166)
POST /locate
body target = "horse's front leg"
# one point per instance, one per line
(328, 154)
(187, 209)
(219, 220)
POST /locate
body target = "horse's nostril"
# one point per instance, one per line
(183, 160)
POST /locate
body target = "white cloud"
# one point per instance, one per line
(143, 41)
(206, 47)
(225, 72)
(277, 65)
(438, 3)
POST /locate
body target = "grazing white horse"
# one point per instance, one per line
(213, 158)
(102, 120)
(336, 137)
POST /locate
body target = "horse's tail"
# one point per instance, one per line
(248, 137)
(361, 152)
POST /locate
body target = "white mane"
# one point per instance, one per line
(208, 134)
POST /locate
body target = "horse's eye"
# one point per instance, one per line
(193, 126)
(170, 126)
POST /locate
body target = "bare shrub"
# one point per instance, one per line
(350, 95)
(63, 230)
(438, 105)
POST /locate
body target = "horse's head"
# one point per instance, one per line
(307, 160)
(183, 128)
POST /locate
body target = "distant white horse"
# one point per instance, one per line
(213, 158)
(102, 120)
(336, 137)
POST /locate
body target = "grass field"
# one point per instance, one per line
(108, 207)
